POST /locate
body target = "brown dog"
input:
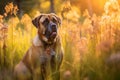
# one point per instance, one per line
(43, 59)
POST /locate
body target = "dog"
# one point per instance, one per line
(43, 59)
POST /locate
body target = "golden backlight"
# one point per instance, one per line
(93, 6)
(90, 36)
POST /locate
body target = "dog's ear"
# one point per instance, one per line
(36, 20)
(58, 18)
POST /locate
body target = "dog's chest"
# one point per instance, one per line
(47, 56)
(47, 61)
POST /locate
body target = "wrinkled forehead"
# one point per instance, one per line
(47, 16)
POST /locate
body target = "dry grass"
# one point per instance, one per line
(87, 42)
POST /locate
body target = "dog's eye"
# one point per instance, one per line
(45, 22)
(54, 20)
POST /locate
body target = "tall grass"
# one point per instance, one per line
(87, 42)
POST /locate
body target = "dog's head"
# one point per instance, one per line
(47, 25)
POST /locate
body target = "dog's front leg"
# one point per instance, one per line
(55, 75)
(40, 70)
(39, 73)
(55, 66)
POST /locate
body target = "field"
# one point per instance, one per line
(88, 43)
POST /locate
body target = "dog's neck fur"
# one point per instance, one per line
(37, 41)
(48, 47)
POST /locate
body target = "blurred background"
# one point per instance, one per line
(46, 6)
(90, 34)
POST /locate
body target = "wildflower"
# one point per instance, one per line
(7, 9)
(104, 46)
(111, 6)
(86, 14)
(15, 10)
(66, 6)
(25, 19)
(67, 75)
(1, 18)
(11, 9)
(82, 45)
(5, 14)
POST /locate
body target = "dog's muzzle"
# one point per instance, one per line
(51, 31)
(54, 31)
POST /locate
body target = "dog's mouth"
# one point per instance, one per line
(53, 35)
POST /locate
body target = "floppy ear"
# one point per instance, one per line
(58, 18)
(35, 21)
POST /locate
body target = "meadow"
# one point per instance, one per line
(88, 41)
